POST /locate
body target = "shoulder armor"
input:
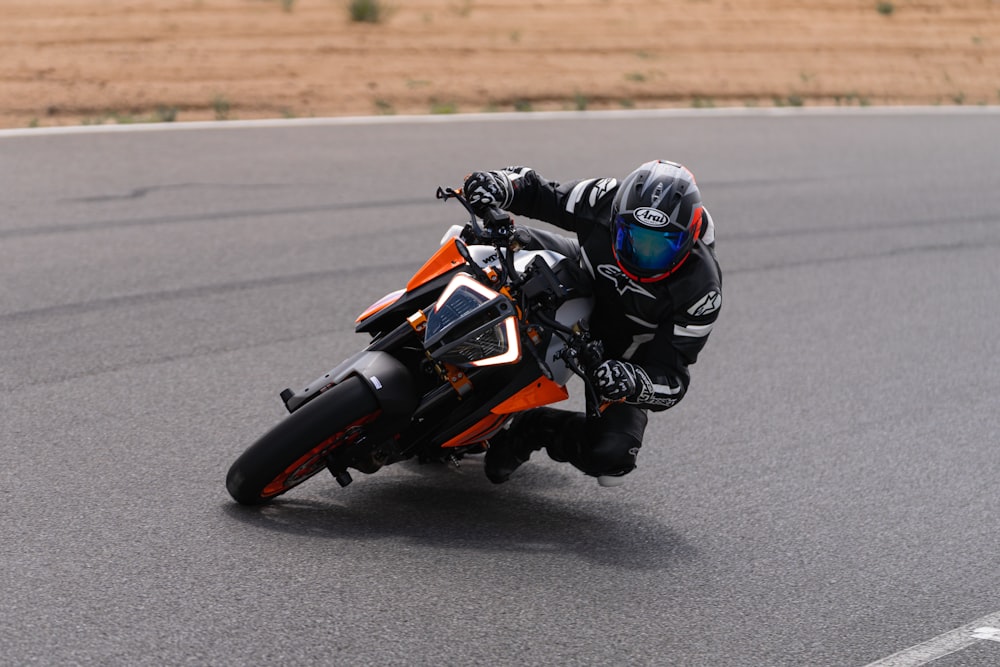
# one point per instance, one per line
(591, 193)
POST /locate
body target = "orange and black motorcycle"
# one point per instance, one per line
(485, 329)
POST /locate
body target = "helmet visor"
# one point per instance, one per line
(647, 250)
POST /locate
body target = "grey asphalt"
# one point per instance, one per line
(827, 494)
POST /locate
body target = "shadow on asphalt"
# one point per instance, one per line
(439, 509)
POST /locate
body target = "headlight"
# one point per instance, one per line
(494, 345)
(472, 325)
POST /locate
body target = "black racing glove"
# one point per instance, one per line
(616, 380)
(488, 188)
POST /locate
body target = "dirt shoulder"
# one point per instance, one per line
(66, 62)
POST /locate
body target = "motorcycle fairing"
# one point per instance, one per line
(484, 429)
(391, 313)
(382, 303)
(541, 392)
(443, 262)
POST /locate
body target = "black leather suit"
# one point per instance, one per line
(660, 326)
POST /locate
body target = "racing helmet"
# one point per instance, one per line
(656, 217)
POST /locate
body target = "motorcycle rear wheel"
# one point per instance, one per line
(297, 447)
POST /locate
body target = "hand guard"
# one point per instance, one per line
(488, 188)
(617, 380)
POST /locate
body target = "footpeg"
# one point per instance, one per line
(286, 395)
(342, 476)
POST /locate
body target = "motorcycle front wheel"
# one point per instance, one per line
(298, 446)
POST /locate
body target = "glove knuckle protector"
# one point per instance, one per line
(615, 379)
(488, 188)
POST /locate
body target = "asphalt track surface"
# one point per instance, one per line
(827, 494)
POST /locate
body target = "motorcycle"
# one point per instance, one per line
(485, 329)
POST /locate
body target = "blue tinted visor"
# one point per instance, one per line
(647, 250)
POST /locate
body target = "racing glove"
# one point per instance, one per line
(488, 188)
(617, 380)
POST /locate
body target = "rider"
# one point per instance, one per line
(649, 244)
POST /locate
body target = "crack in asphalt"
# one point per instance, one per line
(196, 292)
(97, 225)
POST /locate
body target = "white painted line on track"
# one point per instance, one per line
(986, 628)
(622, 114)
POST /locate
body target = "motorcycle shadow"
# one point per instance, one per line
(450, 510)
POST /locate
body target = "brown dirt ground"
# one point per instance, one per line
(77, 61)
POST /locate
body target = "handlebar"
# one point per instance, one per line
(496, 226)
(444, 194)
(497, 230)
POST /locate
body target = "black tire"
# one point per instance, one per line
(296, 448)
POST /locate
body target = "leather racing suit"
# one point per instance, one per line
(660, 326)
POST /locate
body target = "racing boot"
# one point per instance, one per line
(528, 432)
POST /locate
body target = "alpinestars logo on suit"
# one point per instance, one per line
(622, 282)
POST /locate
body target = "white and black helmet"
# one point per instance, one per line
(656, 217)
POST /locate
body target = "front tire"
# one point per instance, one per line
(297, 447)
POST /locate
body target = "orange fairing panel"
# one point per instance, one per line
(384, 302)
(540, 392)
(444, 260)
(481, 431)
